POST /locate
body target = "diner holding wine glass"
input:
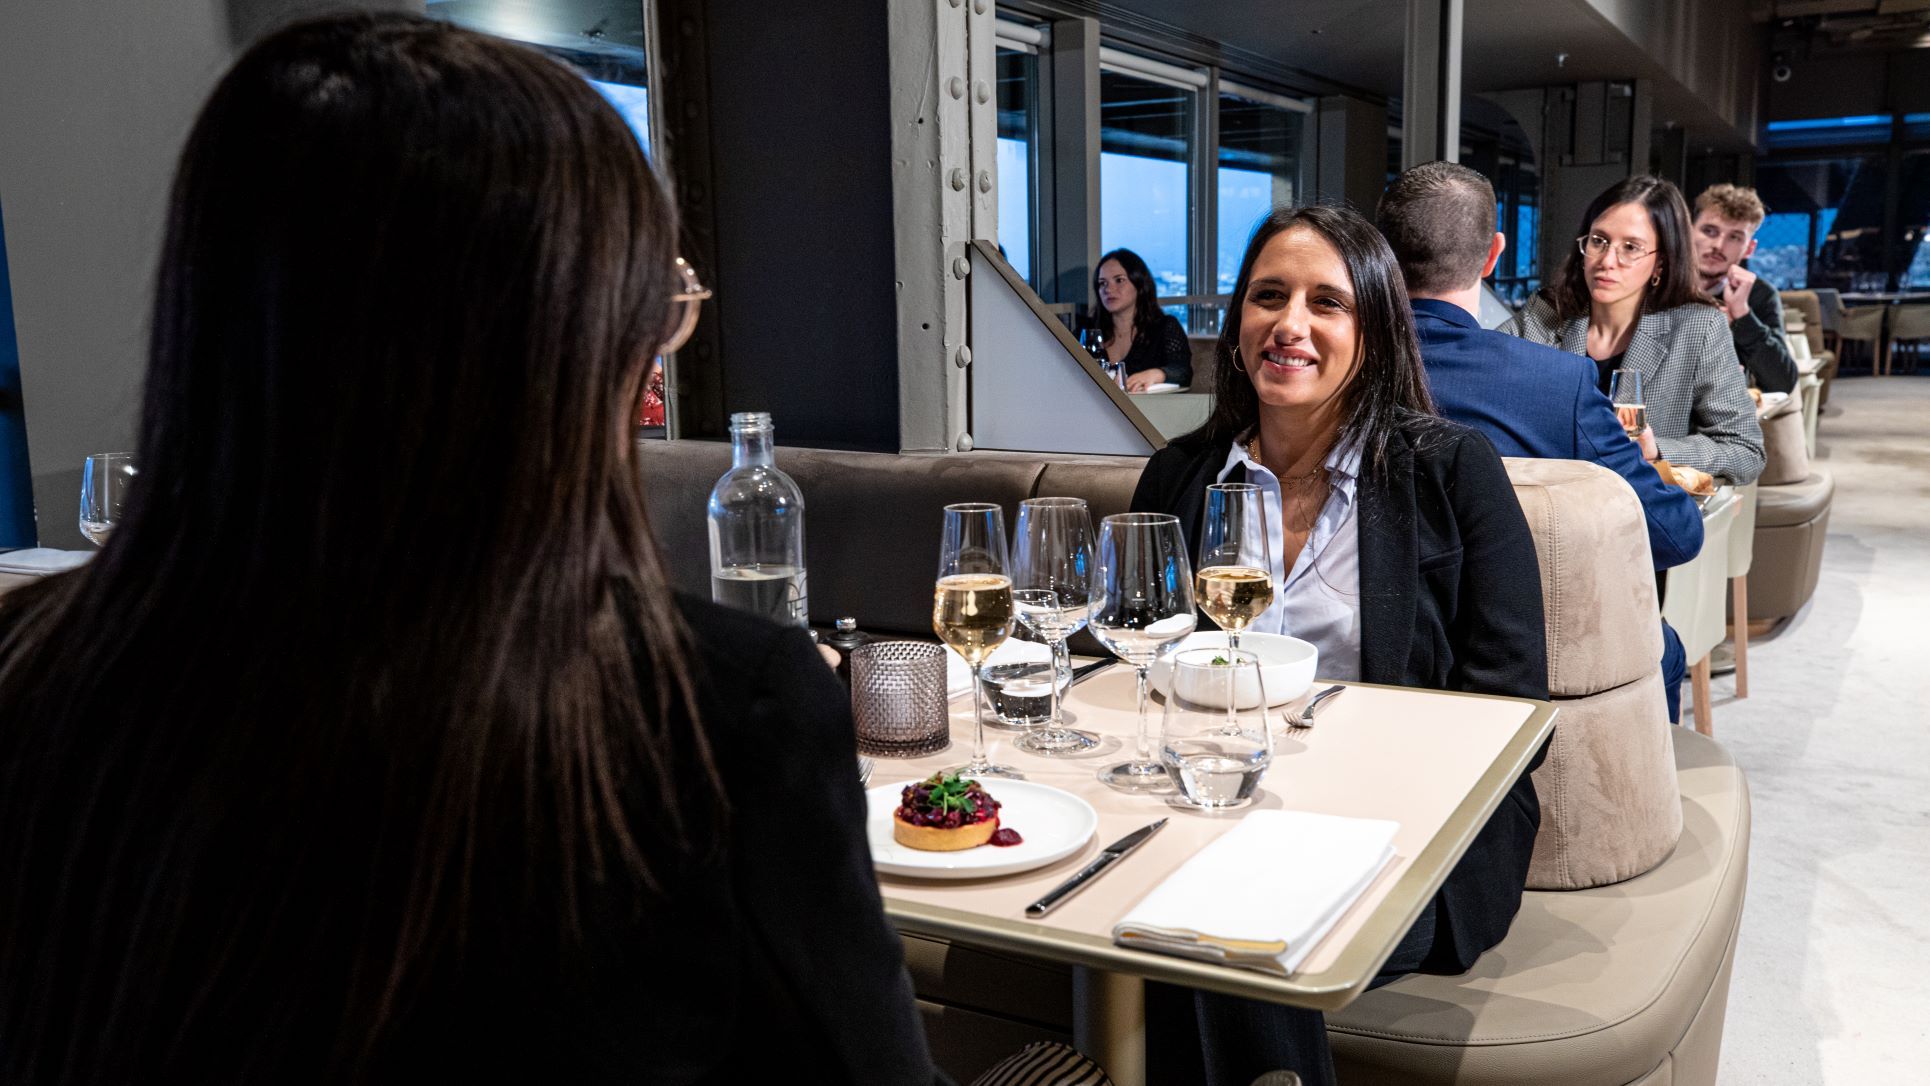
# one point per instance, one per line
(1627, 297)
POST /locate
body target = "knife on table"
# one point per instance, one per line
(1086, 671)
(1112, 854)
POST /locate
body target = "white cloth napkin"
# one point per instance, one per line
(958, 673)
(1266, 892)
(40, 561)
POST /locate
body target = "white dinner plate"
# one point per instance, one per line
(1054, 824)
(1158, 389)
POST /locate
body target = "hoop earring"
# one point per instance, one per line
(1237, 364)
(1656, 279)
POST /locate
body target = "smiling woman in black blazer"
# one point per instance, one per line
(1401, 548)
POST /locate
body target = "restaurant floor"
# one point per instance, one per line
(1832, 973)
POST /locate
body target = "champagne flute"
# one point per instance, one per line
(1142, 607)
(1235, 581)
(1625, 392)
(972, 607)
(1052, 583)
(104, 479)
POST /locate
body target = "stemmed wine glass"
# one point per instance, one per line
(1142, 607)
(1235, 580)
(104, 479)
(1052, 580)
(1625, 392)
(972, 607)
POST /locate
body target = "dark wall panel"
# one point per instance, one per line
(800, 176)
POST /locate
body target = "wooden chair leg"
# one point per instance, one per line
(1700, 674)
(1739, 631)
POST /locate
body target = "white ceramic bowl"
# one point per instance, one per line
(1286, 664)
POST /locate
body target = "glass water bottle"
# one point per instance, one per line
(757, 529)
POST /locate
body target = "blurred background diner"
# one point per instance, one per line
(1686, 304)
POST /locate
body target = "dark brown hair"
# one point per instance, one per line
(1388, 391)
(381, 654)
(1146, 311)
(1675, 260)
(1439, 219)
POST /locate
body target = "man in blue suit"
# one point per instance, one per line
(1528, 399)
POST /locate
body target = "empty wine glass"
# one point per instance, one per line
(1235, 580)
(104, 481)
(1625, 392)
(1213, 736)
(1052, 584)
(972, 607)
(1142, 607)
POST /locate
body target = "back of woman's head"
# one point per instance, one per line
(380, 650)
(1675, 279)
(1388, 390)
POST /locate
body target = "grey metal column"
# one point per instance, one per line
(1204, 207)
(1350, 152)
(932, 186)
(1431, 83)
(1073, 106)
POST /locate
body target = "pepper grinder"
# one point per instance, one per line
(845, 638)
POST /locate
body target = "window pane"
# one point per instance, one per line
(1145, 145)
(603, 39)
(1018, 111)
(1258, 162)
(1845, 196)
(1782, 250)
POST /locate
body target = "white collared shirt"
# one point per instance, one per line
(1318, 600)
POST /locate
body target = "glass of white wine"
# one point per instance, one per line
(1625, 392)
(1235, 580)
(104, 482)
(1142, 608)
(1052, 572)
(972, 607)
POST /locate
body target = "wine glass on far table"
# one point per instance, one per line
(104, 481)
(1235, 580)
(1625, 392)
(972, 607)
(1142, 607)
(1052, 583)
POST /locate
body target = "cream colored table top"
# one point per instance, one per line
(1437, 763)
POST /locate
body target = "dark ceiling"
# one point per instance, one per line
(1506, 45)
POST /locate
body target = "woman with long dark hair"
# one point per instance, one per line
(1399, 550)
(1146, 342)
(373, 744)
(1627, 297)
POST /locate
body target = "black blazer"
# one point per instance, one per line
(1450, 600)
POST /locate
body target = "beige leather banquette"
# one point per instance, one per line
(1619, 976)
(1793, 500)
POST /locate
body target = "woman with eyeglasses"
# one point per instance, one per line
(1628, 298)
(374, 745)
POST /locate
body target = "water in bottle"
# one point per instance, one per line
(757, 529)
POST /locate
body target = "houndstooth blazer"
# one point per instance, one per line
(1697, 396)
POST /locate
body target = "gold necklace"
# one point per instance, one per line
(1287, 482)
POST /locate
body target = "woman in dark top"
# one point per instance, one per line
(1401, 545)
(1145, 341)
(373, 745)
